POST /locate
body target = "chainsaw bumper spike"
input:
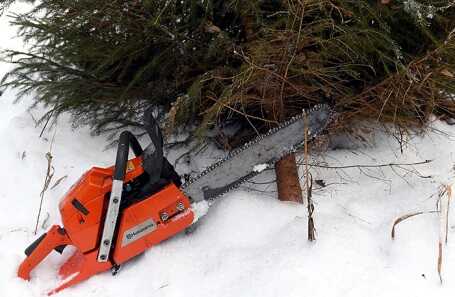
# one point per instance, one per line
(114, 214)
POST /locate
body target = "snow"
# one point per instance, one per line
(249, 244)
(200, 209)
(260, 167)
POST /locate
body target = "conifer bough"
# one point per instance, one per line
(250, 62)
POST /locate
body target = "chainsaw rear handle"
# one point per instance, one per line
(56, 237)
(127, 140)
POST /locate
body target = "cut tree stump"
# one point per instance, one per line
(287, 179)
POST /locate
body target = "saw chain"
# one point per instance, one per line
(252, 158)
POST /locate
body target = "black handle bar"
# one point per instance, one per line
(127, 140)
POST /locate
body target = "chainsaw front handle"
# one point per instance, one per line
(127, 140)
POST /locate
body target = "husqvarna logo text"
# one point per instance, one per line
(138, 231)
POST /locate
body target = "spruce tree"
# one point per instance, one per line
(255, 62)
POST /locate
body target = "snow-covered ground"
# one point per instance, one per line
(249, 244)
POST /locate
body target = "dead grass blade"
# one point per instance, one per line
(444, 202)
(408, 216)
(58, 181)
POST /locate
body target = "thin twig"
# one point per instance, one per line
(371, 166)
(47, 122)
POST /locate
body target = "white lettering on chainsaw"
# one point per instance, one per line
(138, 232)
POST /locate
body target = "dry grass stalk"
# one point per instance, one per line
(58, 181)
(47, 180)
(49, 173)
(309, 188)
(445, 196)
(444, 202)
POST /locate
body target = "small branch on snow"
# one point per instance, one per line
(395, 167)
(372, 166)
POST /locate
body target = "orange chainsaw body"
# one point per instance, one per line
(140, 225)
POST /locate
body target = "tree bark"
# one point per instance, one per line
(287, 179)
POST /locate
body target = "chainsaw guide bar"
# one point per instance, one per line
(241, 164)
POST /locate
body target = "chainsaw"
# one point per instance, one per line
(111, 215)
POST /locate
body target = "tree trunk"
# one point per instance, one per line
(287, 179)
